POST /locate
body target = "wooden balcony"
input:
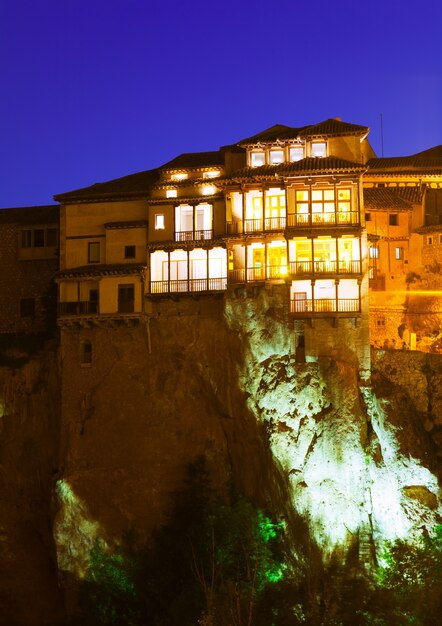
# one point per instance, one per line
(269, 224)
(191, 285)
(85, 307)
(298, 268)
(257, 274)
(193, 235)
(325, 305)
(316, 220)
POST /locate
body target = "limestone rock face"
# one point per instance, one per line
(354, 464)
(29, 434)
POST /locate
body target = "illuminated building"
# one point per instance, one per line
(403, 214)
(280, 210)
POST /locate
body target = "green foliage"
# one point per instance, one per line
(215, 563)
(109, 593)
(412, 575)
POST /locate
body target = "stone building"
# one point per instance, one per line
(403, 213)
(282, 211)
(29, 260)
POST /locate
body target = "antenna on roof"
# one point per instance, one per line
(382, 137)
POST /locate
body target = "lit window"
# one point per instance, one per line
(211, 174)
(159, 221)
(398, 253)
(276, 156)
(129, 252)
(257, 159)
(374, 252)
(393, 219)
(27, 307)
(93, 254)
(430, 241)
(179, 176)
(208, 190)
(296, 153)
(171, 193)
(319, 149)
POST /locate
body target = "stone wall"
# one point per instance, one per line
(26, 278)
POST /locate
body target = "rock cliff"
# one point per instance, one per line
(355, 463)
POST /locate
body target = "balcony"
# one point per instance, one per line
(325, 267)
(303, 220)
(257, 274)
(193, 235)
(325, 305)
(191, 285)
(85, 307)
(269, 224)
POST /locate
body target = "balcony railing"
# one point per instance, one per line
(347, 218)
(326, 305)
(193, 235)
(84, 307)
(257, 274)
(325, 267)
(256, 226)
(275, 223)
(188, 285)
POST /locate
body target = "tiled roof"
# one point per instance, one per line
(195, 160)
(384, 198)
(121, 269)
(133, 224)
(132, 185)
(434, 228)
(436, 151)
(47, 214)
(330, 127)
(311, 165)
(405, 165)
(333, 127)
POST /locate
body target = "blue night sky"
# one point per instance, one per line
(96, 89)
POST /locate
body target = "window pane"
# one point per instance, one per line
(297, 153)
(258, 158)
(319, 149)
(302, 195)
(26, 238)
(159, 221)
(129, 252)
(39, 238)
(329, 194)
(276, 156)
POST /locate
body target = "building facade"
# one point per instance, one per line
(280, 210)
(29, 260)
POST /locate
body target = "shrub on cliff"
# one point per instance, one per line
(216, 563)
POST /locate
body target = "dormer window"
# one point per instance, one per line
(211, 174)
(257, 159)
(296, 153)
(179, 177)
(276, 157)
(319, 149)
(171, 193)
